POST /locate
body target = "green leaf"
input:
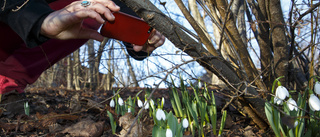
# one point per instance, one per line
(269, 113)
(213, 114)
(158, 131)
(193, 113)
(223, 122)
(172, 122)
(112, 122)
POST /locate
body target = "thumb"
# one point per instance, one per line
(137, 48)
(90, 34)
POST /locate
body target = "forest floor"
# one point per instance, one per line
(61, 112)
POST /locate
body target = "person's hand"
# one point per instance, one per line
(155, 40)
(67, 22)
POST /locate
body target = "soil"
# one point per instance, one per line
(62, 112)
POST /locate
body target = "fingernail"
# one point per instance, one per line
(112, 16)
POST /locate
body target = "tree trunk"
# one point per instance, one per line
(241, 48)
(69, 73)
(131, 72)
(98, 59)
(110, 79)
(279, 40)
(91, 74)
(259, 10)
(76, 69)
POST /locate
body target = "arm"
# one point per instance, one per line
(25, 21)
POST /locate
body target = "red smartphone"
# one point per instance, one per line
(127, 28)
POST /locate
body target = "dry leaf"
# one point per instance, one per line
(143, 128)
(7, 126)
(86, 128)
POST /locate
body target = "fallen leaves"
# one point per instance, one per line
(42, 122)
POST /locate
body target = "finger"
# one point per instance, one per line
(112, 6)
(90, 34)
(160, 42)
(137, 48)
(150, 49)
(83, 14)
(154, 38)
(99, 8)
(109, 4)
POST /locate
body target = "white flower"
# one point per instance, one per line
(185, 123)
(120, 101)
(296, 123)
(112, 103)
(189, 82)
(151, 102)
(277, 101)
(129, 110)
(292, 105)
(199, 84)
(162, 101)
(160, 115)
(146, 105)
(281, 94)
(314, 103)
(168, 132)
(317, 87)
(140, 104)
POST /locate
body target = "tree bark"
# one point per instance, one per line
(76, 69)
(279, 40)
(259, 10)
(235, 37)
(98, 59)
(91, 74)
(202, 35)
(131, 72)
(69, 73)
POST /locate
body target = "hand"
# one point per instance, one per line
(67, 22)
(155, 40)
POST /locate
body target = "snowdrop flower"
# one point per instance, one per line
(185, 123)
(317, 87)
(112, 104)
(120, 101)
(151, 102)
(292, 105)
(277, 100)
(160, 115)
(140, 104)
(281, 94)
(296, 123)
(26, 108)
(146, 105)
(189, 82)
(168, 132)
(199, 84)
(162, 101)
(314, 103)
